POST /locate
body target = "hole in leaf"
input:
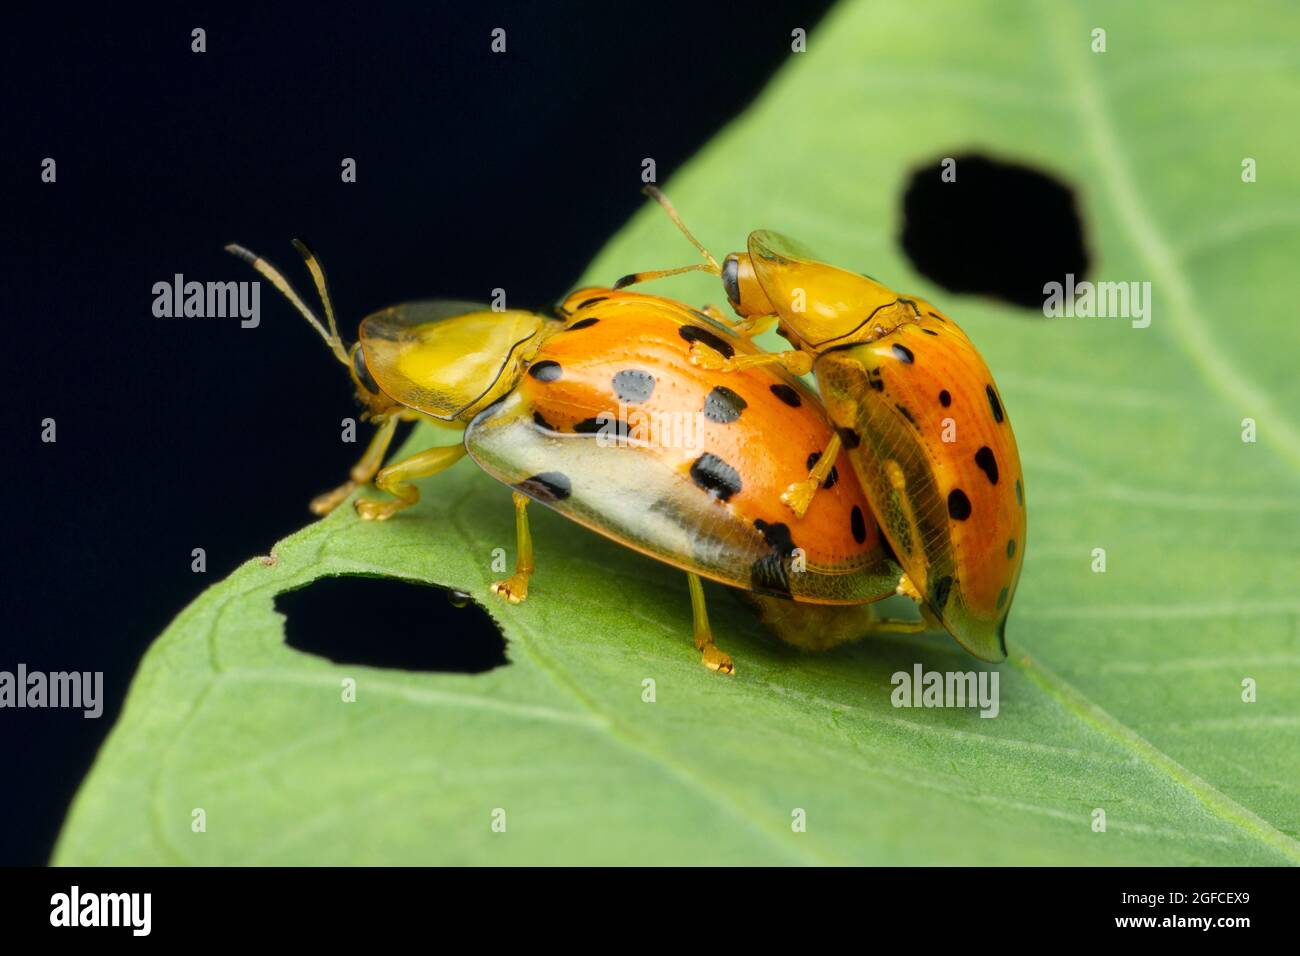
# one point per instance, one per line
(384, 622)
(998, 229)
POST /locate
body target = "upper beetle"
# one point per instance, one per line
(917, 409)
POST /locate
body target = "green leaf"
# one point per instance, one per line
(1124, 688)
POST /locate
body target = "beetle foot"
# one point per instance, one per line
(705, 356)
(907, 589)
(370, 510)
(716, 659)
(798, 496)
(513, 589)
(326, 502)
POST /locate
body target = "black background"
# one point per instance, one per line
(475, 171)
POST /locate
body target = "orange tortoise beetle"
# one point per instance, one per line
(601, 415)
(915, 406)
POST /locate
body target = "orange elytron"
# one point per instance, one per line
(917, 410)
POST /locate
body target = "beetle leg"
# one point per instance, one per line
(747, 327)
(798, 495)
(908, 589)
(396, 480)
(754, 325)
(930, 618)
(362, 472)
(819, 627)
(711, 656)
(889, 625)
(515, 588)
(793, 361)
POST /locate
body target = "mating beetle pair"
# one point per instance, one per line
(761, 494)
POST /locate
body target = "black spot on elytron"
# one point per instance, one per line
(903, 353)
(849, 437)
(858, 525)
(1020, 494)
(633, 385)
(787, 395)
(936, 315)
(693, 333)
(1011, 547)
(723, 406)
(1002, 598)
(832, 476)
(958, 505)
(363, 372)
(545, 371)
(988, 463)
(609, 426)
(994, 403)
(715, 476)
(592, 301)
(939, 595)
(874, 380)
(541, 422)
(777, 536)
(547, 486)
(906, 414)
(331, 619)
(583, 323)
(929, 331)
(968, 235)
(944, 398)
(885, 546)
(769, 574)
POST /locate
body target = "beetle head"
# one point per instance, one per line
(819, 306)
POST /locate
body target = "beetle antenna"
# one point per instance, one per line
(663, 201)
(322, 289)
(636, 277)
(277, 279)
